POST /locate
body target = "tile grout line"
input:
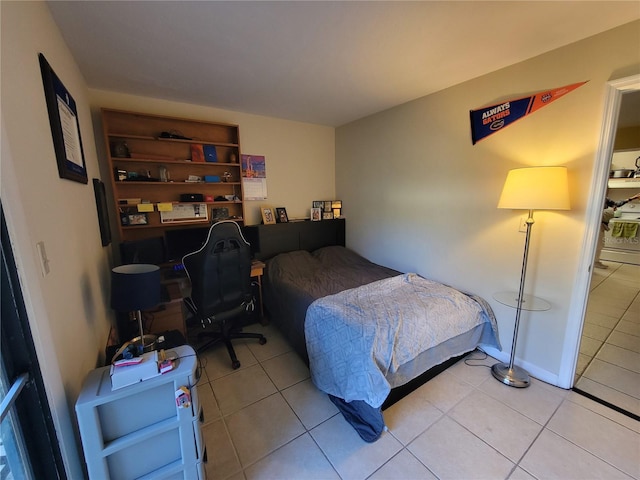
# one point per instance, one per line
(606, 281)
(593, 454)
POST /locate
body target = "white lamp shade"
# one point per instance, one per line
(536, 188)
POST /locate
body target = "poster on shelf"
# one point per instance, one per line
(488, 120)
(254, 177)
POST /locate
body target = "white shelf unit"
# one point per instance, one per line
(139, 431)
(624, 183)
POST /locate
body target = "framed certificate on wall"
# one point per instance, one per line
(65, 127)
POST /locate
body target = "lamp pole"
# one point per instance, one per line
(511, 374)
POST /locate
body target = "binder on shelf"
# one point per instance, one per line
(197, 153)
(210, 153)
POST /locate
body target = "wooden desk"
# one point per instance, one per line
(169, 314)
(257, 269)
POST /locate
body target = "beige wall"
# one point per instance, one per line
(420, 197)
(299, 156)
(68, 309)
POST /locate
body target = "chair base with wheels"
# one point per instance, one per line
(226, 331)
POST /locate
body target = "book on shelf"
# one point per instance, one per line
(210, 153)
(197, 153)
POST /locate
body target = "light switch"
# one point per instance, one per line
(523, 225)
(44, 261)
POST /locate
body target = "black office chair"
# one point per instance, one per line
(221, 294)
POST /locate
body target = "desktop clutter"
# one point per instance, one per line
(129, 365)
(136, 287)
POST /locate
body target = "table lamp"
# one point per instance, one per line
(136, 287)
(532, 188)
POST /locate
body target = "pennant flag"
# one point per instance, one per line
(490, 119)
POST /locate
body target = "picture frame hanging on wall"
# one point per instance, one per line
(65, 127)
(103, 214)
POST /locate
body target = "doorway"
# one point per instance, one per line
(609, 348)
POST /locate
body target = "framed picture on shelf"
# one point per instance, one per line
(133, 219)
(317, 204)
(268, 214)
(281, 215)
(336, 206)
(327, 215)
(316, 214)
(218, 214)
(65, 127)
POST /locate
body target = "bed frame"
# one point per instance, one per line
(269, 240)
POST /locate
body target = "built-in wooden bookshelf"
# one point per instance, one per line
(153, 173)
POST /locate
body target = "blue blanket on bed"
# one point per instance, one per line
(357, 337)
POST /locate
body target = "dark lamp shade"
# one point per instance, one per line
(135, 287)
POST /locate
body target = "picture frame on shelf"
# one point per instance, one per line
(268, 214)
(65, 126)
(219, 214)
(281, 215)
(134, 219)
(336, 206)
(317, 204)
(327, 215)
(316, 214)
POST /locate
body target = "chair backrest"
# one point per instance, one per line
(220, 271)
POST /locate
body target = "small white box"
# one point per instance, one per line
(130, 374)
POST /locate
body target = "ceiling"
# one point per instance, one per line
(314, 61)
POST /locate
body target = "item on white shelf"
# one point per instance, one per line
(125, 362)
(145, 369)
(167, 361)
(183, 397)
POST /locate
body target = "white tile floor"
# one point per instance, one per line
(609, 360)
(267, 421)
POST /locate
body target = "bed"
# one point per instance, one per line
(368, 333)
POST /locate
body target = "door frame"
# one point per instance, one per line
(31, 412)
(615, 89)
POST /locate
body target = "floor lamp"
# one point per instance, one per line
(136, 287)
(533, 188)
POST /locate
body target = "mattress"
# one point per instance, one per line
(334, 300)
